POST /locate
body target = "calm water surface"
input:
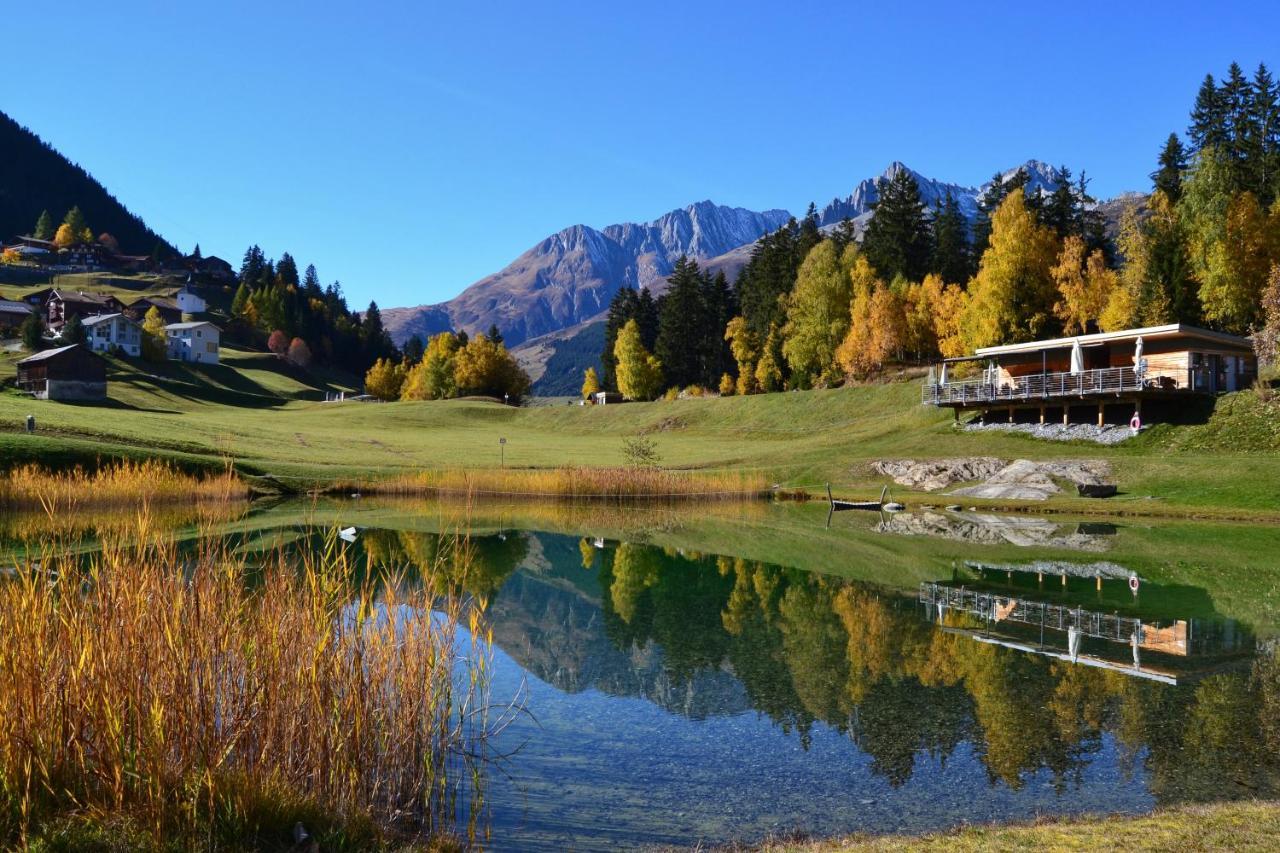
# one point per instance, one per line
(676, 696)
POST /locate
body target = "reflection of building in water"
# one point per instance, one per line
(1161, 650)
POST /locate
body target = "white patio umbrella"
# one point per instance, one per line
(1077, 358)
(1137, 355)
(942, 378)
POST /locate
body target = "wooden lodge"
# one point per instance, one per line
(66, 373)
(1110, 374)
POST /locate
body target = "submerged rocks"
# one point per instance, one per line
(1021, 479)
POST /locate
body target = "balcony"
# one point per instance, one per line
(1109, 381)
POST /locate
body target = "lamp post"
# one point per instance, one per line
(502, 453)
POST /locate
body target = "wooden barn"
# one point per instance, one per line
(66, 373)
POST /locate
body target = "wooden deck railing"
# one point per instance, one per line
(1044, 386)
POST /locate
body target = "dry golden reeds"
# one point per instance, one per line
(618, 484)
(149, 481)
(195, 694)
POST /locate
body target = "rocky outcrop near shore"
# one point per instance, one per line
(1021, 479)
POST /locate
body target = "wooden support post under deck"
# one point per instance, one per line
(1101, 409)
(1042, 414)
(1066, 414)
(1011, 414)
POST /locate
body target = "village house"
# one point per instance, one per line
(13, 314)
(169, 310)
(83, 257)
(196, 341)
(62, 305)
(215, 267)
(111, 332)
(38, 298)
(66, 373)
(1110, 374)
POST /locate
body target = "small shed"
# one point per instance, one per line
(604, 397)
(13, 314)
(66, 373)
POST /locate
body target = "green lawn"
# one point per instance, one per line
(266, 416)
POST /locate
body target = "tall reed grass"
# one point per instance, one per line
(125, 483)
(617, 484)
(213, 701)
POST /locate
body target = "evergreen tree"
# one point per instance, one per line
(252, 267)
(195, 253)
(997, 190)
(44, 227)
(311, 283)
(413, 350)
(719, 307)
(1091, 224)
(494, 335)
(897, 241)
(810, 235)
(951, 258)
(1060, 212)
(241, 300)
(682, 324)
(622, 308)
(845, 234)
(767, 278)
(287, 271)
(1208, 118)
(377, 343)
(1172, 163)
(80, 230)
(32, 332)
(73, 331)
(1262, 145)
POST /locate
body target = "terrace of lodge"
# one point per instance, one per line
(1123, 368)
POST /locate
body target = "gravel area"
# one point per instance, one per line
(1060, 432)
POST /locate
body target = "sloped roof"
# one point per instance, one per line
(1149, 333)
(47, 354)
(6, 305)
(191, 325)
(102, 318)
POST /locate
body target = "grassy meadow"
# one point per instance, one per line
(267, 419)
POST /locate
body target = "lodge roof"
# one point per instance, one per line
(1147, 333)
(48, 354)
(191, 325)
(102, 318)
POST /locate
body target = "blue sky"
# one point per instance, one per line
(410, 148)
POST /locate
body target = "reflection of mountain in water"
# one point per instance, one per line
(557, 634)
(988, 529)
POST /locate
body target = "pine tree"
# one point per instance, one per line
(195, 253)
(1237, 96)
(997, 190)
(719, 307)
(682, 326)
(844, 234)
(80, 230)
(767, 278)
(311, 283)
(494, 335)
(1262, 145)
(622, 308)
(44, 227)
(32, 331)
(1060, 211)
(287, 271)
(1172, 163)
(73, 331)
(951, 258)
(413, 350)
(810, 235)
(898, 240)
(241, 300)
(1208, 117)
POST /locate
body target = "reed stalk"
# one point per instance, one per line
(208, 699)
(610, 484)
(123, 483)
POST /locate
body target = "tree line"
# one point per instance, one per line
(816, 307)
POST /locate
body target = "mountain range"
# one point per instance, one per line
(569, 278)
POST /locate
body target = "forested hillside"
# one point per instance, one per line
(36, 179)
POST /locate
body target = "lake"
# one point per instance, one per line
(726, 673)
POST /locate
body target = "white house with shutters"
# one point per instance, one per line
(195, 342)
(189, 302)
(111, 332)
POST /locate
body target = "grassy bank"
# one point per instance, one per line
(192, 701)
(1225, 826)
(266, 418)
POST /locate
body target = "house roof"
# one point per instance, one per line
(158, 301)
(81, 296)
(47, 354)
(191, 325)
(1147, 333)
(102, 318)
(6, 305)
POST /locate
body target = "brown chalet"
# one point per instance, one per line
(169, 310)
(62, 305)
(1112, 373)
(66, 373)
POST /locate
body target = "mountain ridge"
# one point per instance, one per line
(569, 277)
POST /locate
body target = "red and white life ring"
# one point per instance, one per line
(1135, 422)
(1133, 584)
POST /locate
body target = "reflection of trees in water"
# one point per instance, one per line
(812, 648)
